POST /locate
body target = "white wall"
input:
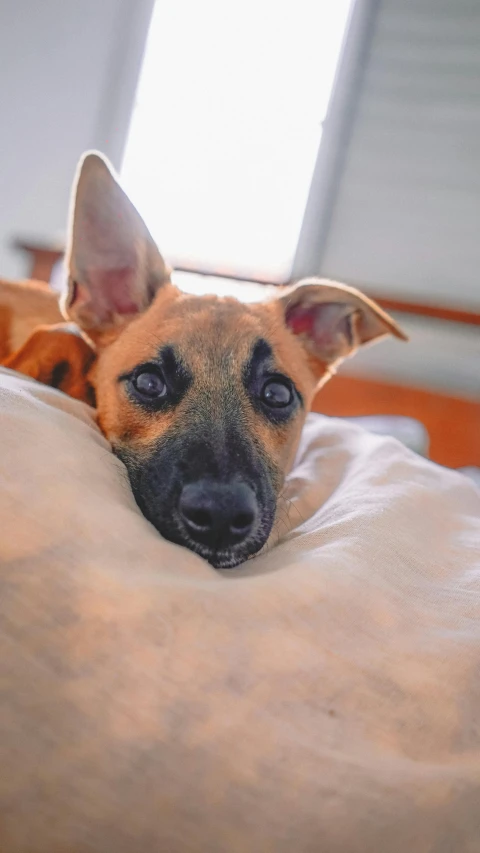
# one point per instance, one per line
(68, 71)
(406, 218)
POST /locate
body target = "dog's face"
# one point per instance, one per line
(205, 409)
(202, 398)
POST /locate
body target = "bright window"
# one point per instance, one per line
(227, 125)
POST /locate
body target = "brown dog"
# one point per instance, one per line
(203, 398)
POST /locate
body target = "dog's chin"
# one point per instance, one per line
(221, 559)
(228, 558)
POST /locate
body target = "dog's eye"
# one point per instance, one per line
(277, 394)
(150, 384)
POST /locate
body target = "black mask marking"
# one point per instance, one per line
(211, 446)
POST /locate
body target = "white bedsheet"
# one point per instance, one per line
(323, 698)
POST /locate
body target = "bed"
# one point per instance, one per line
(322, 697)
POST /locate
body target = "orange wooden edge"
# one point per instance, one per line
(453, 424)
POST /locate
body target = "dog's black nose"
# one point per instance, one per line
(218, 515)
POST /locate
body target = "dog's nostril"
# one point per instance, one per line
(201, 518)
(242, 522)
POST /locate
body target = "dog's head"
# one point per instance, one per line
(203, 398)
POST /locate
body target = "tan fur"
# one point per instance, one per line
(199, 327)
(56, 356)
(195, 324)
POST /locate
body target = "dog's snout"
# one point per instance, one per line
(218, 515)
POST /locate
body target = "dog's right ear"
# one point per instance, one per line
(115, 268)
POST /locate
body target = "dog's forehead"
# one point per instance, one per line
(213, 324)
(204, 330)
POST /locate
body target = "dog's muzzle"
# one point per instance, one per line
(187, 495)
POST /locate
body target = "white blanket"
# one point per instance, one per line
(323, 698)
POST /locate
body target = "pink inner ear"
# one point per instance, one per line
(326, 324)
(113, 290)
(300, 319)
(105, 254)
(104, 294)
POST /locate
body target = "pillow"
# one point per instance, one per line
(322, 697)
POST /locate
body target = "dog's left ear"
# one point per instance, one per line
(333, 320)
(115, 268)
